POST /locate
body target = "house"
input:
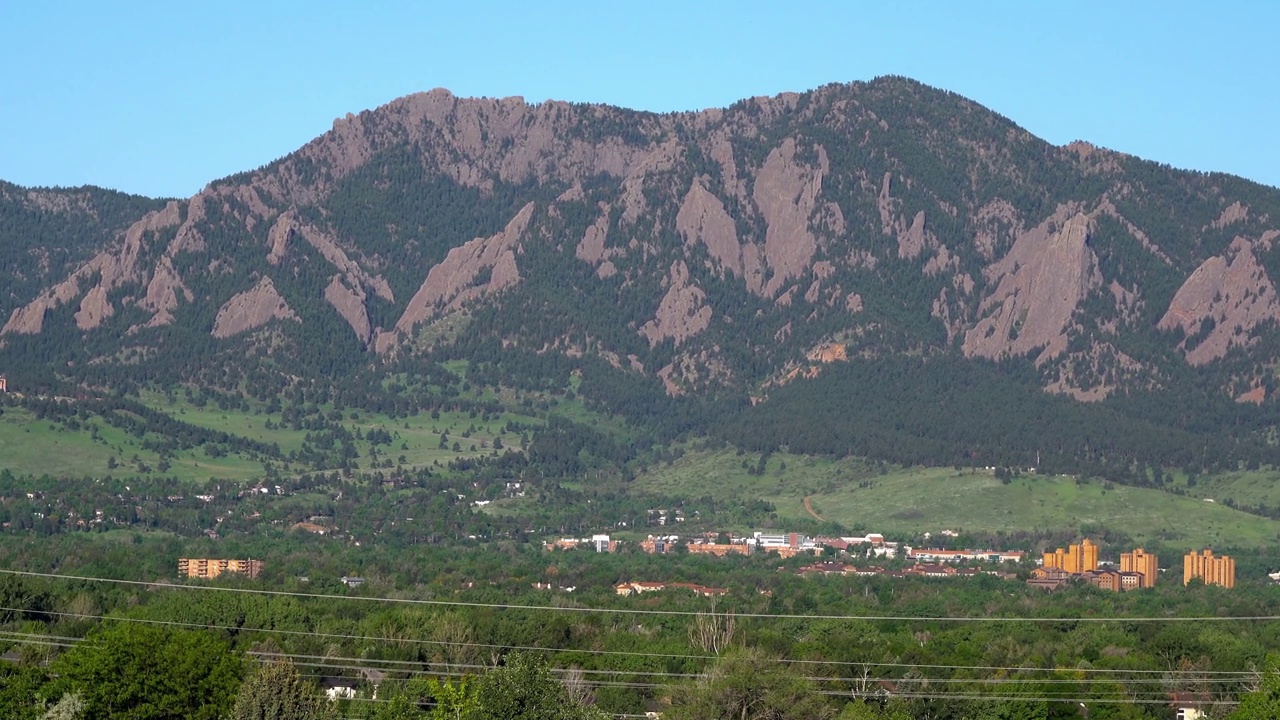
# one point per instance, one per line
(702, 590)
(639, 587)
(310, 527)
(1188, 705)
(4, 384)
(826, 568)
(352, 582)
(336, 688)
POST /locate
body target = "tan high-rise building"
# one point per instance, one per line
(1077, 559)
(212, 568)
(1219, 570)
(1141, 561)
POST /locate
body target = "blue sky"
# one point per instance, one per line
(160, 98)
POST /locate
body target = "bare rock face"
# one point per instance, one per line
(162, 293)
(278, 237)
(1234, 213)
(683, 311)
(252, 309)
(591, 248)
(1231, 291)
(114, 268)
(913, 237)
(336, 256)
(349, 302)
(786, 191)
(452, 283)
(1039, 284)
(703, 219)
(94, 308)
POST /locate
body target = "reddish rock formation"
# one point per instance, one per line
(452, 283)
(1231, 290)
(683, 311)
(252, 309)
(591, 248)
(787, 192)
(703, 219)
(1038, 286)
(114, 268)
(1234, 213)
(162, 293)
(349, 302)
(94, 308)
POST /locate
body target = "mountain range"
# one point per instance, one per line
(728, 253)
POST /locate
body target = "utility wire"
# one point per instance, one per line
(622, 653)
(625, 611)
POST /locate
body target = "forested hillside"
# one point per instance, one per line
(816, 270)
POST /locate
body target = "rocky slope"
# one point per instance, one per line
(719, 248)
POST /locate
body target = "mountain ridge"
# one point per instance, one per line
(884, 217)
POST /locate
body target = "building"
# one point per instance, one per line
(1141, 561)
(336, 688)
(1212, 570)
(212, 568)
(1076, 559)
(719, 549)
(640, 587)
(4, 384)
(1049, 579)
(660, 545)
(933, 555)
(600, 543)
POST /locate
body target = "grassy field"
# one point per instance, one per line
(1246, 487)
(38, 447)
(29, 446)
(912, 500)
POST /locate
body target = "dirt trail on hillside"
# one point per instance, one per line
(808, 507)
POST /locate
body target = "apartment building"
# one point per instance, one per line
(1220, 570)
(1141, 561)
(213, 567)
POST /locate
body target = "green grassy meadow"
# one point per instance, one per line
(31, 446)
(859, 495)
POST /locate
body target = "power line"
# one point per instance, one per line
(625, 653)
(625, 611)
(364, 663)
(1068, 696)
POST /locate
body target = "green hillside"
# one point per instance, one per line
(914, 500)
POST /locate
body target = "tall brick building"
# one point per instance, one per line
(1076, 559)
(1219, 570)
(212, 568)
(1141, 561)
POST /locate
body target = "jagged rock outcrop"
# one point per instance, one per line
(913, 239)
(458, 278)
(1228, 296)
(900, 218)
(787, 190)
(1038, 286)
(683, 311)
(350, 304)
(112, 268)
(703, 219)
(252, 309)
